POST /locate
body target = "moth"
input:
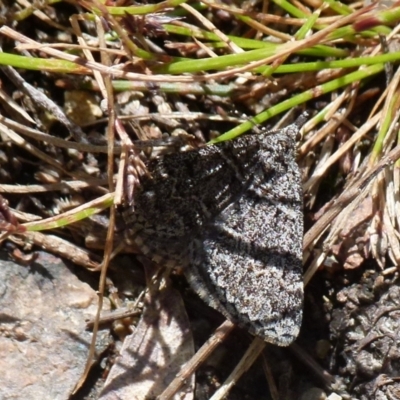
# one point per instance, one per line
(230, 214)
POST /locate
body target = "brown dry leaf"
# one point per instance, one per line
(153, 355)
(351, 251)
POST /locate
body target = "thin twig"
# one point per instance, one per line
(251, 355)
(208, 347)
(63, 248)
(270, 379)
(71, 185)
(322, 374)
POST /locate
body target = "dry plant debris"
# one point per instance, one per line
(183, 73)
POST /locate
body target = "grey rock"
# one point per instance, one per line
(43, 340)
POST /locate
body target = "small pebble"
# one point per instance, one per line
(314, 394)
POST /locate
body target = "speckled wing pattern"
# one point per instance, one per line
(231, 215)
